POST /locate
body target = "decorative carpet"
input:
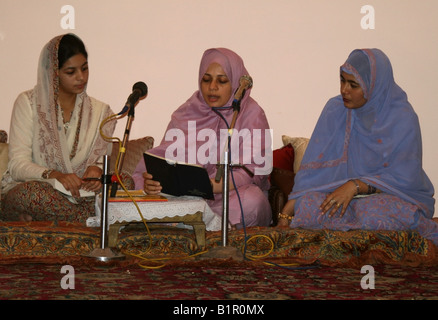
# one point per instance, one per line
(62, 242)
(168, 265)
(215, 280)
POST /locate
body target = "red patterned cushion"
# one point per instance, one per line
(283, 174)
(284, 158)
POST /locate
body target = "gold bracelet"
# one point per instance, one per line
(284, 216)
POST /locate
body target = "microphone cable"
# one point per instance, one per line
(116, 171)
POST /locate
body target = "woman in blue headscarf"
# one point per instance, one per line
(363, 168)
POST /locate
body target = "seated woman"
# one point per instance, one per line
(363, 168)
(209, 109)
(54, 134)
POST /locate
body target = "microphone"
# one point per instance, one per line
(245, 82)
(139, 90)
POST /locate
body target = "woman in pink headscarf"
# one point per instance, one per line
(210, 109)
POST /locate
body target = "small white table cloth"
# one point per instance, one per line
(180, 209)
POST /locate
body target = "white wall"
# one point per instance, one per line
(292, 49)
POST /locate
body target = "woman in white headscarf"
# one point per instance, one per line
(54, 134)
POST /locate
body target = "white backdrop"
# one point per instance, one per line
(292, 49)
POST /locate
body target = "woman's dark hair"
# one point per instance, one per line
(69, 46)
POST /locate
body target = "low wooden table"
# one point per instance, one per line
(192, 211)
(194, 220)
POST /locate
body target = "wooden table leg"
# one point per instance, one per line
(113, 234)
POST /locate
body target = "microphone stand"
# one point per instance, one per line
(114, 180)
(225, 251)
(104, 253)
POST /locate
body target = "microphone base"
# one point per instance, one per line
(105, 254)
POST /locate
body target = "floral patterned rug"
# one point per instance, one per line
(62, 242)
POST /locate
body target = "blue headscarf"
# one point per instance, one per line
(378, 143)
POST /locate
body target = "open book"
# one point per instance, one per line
(179, 179)
(58, 186)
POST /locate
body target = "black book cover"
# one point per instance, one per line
(179, 179)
